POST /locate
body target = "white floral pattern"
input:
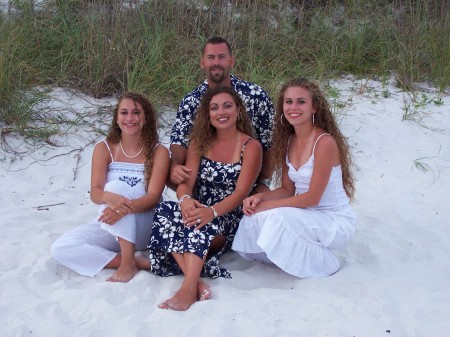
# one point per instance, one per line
(215, 182)
(259, 108)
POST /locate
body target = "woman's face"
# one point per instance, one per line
(130, 116)
(223, 111)
(298, 106)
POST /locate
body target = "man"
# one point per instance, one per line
(217, 61)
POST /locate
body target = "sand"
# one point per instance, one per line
(395, 274)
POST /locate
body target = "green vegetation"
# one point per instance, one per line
(106, 47)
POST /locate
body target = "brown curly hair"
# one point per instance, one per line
(203, 132)
(323, 118)
(149, 133)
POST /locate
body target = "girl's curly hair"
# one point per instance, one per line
(323, 118)
(149, 133)
(203, 132)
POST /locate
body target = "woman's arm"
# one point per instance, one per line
(160, 170)
(193, 163)
(326, 155)
(185, 189)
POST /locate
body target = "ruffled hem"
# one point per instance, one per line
(267, 235)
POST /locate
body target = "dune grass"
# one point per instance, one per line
(106, 47)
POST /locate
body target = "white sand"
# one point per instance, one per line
(395, 276)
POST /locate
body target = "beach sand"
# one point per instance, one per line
(395, 274)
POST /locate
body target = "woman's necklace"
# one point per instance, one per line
(131, 157)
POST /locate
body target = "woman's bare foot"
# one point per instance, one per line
(124, 274)
(181, 301)
(203, 290)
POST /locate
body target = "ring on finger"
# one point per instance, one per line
(199, 221)
(118, 211)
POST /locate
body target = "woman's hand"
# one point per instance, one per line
(250, 203)
(199, 216)
(263, 205)
(110, 217)
(186, 207)
(118, 203)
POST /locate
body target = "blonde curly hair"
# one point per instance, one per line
(149, 133)
(323, 118)
(203, 132)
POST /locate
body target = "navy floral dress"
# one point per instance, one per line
(215, 182)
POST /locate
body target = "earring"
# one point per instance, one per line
(281, 120)
(313, 117)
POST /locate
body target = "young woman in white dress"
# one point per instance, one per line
(297, 225)
(129, 170)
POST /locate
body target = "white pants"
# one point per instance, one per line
(88, 248)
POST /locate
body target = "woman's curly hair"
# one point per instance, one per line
(149, 133)
(203, 131)
(323, 118)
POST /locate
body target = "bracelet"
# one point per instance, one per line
(214, 212)
(184, 197)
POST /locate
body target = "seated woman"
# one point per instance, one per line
(297, 225)
(129, 169)
(189, 236)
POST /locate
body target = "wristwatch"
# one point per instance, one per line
(265, 182)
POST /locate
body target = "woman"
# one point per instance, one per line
(189, 236)
(298, 224)
(129, 169)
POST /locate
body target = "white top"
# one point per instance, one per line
(334, 196)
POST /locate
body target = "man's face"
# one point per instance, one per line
(216, 62)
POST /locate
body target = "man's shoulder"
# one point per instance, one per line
(197, 93)
(250, 88)
(239, 83)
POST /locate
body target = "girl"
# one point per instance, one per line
(129, 169)
(298, 224)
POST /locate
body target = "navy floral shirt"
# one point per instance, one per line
(259, 108)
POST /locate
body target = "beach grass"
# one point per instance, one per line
(107, 47)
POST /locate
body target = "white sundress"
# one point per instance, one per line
(300, 240)
(88, 248)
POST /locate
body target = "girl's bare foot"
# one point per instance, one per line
(181, 301)
(203, 290)
(123, 274)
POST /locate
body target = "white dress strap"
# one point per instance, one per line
(106, 143)
(314, 147)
